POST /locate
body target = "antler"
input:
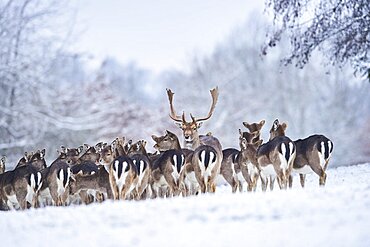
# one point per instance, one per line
(214, 94)
(173, 115)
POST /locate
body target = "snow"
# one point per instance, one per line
(335, 215)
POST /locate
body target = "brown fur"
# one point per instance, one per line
(122, 191)
(309, 156)
(271, 153)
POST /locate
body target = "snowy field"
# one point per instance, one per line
(337, 215)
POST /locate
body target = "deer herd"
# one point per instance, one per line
(124, 170)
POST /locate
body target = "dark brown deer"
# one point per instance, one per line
(207, 149)
(187, 181)
(276, 157)
(313, 155)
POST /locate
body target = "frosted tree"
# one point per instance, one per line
(340, 29)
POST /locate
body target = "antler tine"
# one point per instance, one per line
(214, 94)
(173, 115)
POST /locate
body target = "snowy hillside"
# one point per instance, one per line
(337, 215)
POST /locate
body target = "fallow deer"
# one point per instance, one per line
(241, 166)
(166, 173)
(58, 176)
(20, 186)
(144, 171)
(276, 157)
(123, 177)
(313, 155)
(58, 179)
(207, 149)
(247, 161)
(98, 182)
(187, 181)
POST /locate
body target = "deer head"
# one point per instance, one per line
(252, 127)
(168, 141)
(190, 129)
(38, 159)
(70, 155)
(277, 129)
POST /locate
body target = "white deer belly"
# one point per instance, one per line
(268, 170)
(304, 170)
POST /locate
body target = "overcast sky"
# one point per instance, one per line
(160, 34)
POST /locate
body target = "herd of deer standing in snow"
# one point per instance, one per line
(124, 170)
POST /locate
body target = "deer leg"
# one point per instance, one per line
(84, 196)
(302, 178)
(272, 182)
(322, 180)
(264, 183)
(319, 171)
(290, 181)
(99, 196)
(234, 185)
(241, 186)
(255, 182)
(202, 187)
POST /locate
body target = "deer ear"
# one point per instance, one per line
(245, 124)
(199, 124)
(240, 133)
(155, 138)
(284, 125)
(42, 153)
(262, 122)
(275, 125)
(79, 149)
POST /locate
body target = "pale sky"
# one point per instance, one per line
(157, 34)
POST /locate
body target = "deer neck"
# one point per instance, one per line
(176, 145)
(194, 143)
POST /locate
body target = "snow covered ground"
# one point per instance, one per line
(337, 215)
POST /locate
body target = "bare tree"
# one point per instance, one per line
(340, 29)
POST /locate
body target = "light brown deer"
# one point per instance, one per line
(207, 149)
(276, 157)
(253, 127)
